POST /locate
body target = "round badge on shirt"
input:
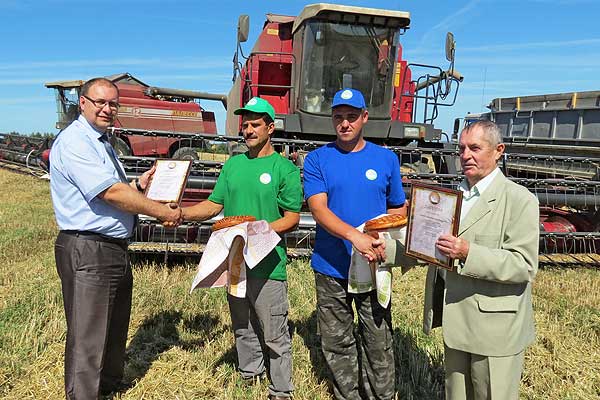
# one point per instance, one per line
(371, 174)
(265, 178)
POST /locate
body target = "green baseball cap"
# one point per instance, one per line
(258, 106)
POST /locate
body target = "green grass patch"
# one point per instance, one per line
(181, 345)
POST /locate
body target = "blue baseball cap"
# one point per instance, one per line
(349, 97)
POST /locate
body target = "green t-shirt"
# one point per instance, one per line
(262, 187)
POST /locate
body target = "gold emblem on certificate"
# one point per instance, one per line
(169, 180)
(434, 197)
(434, 211)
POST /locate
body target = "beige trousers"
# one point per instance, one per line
(476, 377)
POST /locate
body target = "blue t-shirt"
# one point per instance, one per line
(359, 186)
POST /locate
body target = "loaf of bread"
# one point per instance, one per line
(386, 222)
(227, 222)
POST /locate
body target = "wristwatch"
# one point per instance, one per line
(138, 186)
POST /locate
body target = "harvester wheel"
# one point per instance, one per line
(186, 153)
(121, 147)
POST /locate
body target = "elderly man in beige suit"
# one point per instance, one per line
(484, 304)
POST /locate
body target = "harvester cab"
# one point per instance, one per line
(299, 63)
(67, 101)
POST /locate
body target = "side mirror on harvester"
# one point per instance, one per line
(455, 130)
(450, 46)
(242, 28)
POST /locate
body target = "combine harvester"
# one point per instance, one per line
(147, 108)
(298, 63)
(141, 107)
(553, 148)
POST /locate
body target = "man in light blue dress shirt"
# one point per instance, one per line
(95, 208)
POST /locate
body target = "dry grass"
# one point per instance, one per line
(210, 156)
(181, 346)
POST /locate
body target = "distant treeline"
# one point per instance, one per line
(42, 135)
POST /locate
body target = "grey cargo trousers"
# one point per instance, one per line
(263, 316)
(374, 376)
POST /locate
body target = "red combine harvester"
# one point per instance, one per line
(142, 108)
(146, 108)
(297, 64)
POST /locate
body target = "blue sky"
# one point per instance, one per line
(504, 47)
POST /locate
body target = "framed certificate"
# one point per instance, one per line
(168, 181)
(434, 211)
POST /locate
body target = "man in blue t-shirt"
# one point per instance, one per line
(346, 183)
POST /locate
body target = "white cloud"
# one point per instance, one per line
(519, 83)
(213, 78)
(34, 80)
(192, 77)
(183, 63)
(11, 4)
(26, 100)
(452, 20)
(532, 45)
(547, 62)
(563, 2)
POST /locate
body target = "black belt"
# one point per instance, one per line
(97, 237)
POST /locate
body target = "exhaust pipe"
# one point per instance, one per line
(154, 91)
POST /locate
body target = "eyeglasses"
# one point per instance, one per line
(100, 103)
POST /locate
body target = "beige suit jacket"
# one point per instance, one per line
(484, 305)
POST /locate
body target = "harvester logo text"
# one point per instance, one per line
(180, 113)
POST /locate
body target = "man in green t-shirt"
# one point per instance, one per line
(267, 186)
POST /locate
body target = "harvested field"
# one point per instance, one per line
(181, 347)
(209, 156)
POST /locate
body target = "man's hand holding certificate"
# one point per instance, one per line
(434, 212)
(169, 180)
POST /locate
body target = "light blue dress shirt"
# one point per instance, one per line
(80, 169)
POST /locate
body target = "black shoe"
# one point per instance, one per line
(273, 397)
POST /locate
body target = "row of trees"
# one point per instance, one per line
(42, 135)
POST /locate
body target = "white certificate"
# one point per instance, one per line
(168, 181)
(434, 211)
